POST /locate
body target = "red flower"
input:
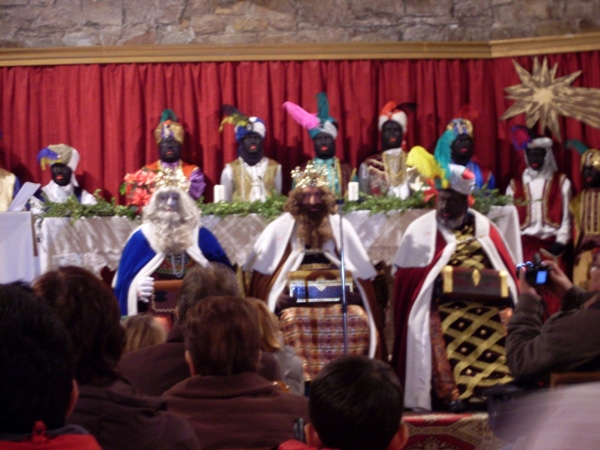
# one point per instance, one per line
(430, 193)
(139, 187)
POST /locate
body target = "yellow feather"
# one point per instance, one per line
(419, 158)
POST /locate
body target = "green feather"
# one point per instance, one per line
(442, 151)
(574, 144)
(168, 114)
(322, 107)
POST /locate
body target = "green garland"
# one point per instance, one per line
(270, 209)
(486, 198)
(74, 210)
(386, 204)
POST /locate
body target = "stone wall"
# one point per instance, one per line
(71, 23)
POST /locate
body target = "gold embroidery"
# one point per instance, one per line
(395, 168)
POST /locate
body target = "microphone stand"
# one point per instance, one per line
(340, 203)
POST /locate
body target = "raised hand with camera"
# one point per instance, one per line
(568, 340)
(543, 276)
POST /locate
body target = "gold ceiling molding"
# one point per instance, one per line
(568, 43)
(297, 52)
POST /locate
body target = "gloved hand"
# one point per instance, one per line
(145, 289)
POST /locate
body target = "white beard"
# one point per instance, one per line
(169, 235)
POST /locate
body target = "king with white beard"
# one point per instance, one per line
(169, 242)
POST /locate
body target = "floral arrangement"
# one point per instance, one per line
(138, 188)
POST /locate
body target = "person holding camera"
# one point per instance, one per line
(569, 341)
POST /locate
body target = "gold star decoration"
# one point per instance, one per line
(543, 98)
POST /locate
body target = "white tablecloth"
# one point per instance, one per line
(17, 259)
(94, 243)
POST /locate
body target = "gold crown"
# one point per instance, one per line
(310, 176)
(172, 178)
(169, 128)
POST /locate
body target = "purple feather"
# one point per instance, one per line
(520, 137)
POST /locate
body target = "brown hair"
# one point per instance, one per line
(293, 204)
(143, 330)
(313, 229)
(269, 327)
(205, 281)
(91, 313)
(222, 336)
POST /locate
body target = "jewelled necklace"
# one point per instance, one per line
(178, 272)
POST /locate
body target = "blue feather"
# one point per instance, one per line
(46, 157)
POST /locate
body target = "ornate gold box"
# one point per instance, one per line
(474, 284)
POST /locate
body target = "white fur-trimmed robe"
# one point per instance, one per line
(271, 246)
(417, 250)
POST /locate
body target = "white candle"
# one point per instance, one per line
(219, 193)
(353, 191)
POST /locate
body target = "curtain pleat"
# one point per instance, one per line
(109, 111)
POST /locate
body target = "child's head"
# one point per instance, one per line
(356, 403)
(143, 330)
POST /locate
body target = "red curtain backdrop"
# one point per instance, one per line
(108, 111)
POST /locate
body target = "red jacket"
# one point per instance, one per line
(67, 438)
(297, 445)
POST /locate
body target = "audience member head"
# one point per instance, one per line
(88, 308)
(356, 403)
(270, 336)
(36, 364)
(222, 337)
(143, 330)
(200, 282)
(595, 271)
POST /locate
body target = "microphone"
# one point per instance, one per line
(340, 203)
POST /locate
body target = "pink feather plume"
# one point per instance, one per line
(303, 117)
